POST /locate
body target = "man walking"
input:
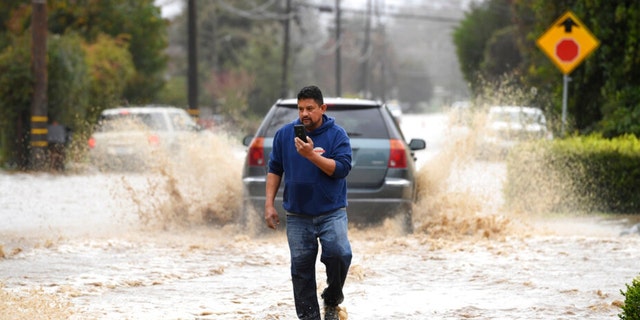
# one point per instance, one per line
(315, 200)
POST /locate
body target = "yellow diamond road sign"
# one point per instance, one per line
(567, 42)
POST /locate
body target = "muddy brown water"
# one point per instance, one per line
(92, 245)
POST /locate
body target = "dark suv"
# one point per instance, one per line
(381, 183)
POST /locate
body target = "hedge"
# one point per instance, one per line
(582, 173)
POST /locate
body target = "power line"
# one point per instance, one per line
(262, 13)
(416, 16)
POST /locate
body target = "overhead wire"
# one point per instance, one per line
(263, 12)
(257, 13)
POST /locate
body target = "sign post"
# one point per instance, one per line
(567, 43)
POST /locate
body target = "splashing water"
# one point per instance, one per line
(16, 306)
(163, 244)
(202, 186)
(457, 195)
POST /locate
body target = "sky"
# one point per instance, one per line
(171, 8)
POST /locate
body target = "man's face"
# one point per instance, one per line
(310, 113)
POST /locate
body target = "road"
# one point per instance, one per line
(90, 245)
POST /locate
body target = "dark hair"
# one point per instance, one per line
(311, 92)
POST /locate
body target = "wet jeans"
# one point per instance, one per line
(303, 233)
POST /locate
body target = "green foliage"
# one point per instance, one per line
(68, 92)
(111, 67)
(223, 38)
(137, 22)
(631, 308)
(264, 90)
(69, 86)
(501, 55)
(174, 92)
(99, 53)
(603, 93)
(232, 91)
(624, 116)
(82, 80)
(148, 41)
(587, 173)
(239, 67)
(473, 34)
(15, 17)
(16, 89)
(606, 80)
(16, 82)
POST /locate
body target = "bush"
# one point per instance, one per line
(16, 90)
(631, 308)
(586, 174)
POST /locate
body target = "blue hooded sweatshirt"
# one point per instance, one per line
(308, 190)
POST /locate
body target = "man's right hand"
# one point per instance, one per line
(271, 217)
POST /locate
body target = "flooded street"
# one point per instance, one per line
(92, 245)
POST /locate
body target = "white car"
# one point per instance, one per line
(132, 138)
(508, 125)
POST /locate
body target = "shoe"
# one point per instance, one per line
(331, 313)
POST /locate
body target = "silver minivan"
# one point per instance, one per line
(381, 183)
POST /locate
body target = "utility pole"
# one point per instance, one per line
(383, 58)
(38, 137)
(285, 50)
(364, 69)
(192, 60)
(338, 54)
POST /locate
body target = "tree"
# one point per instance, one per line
(110, 66)
(13, 16)
(603, 92)
(88, 70)
(473, 35)
(16, 90)
(68, 92)
(262, 59)
(619, 62)
(239, 53)
(501, 55)
(137, 22)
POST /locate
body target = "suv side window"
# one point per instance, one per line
(281, 116)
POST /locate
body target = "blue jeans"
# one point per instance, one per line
(303, 233)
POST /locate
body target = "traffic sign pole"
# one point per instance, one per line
(565, 89)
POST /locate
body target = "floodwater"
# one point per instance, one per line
(93, 245)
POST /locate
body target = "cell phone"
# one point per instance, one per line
(300, 132)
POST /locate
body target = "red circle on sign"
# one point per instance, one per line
(567, 50)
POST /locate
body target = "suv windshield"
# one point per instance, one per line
(357, 121)
(117, 122)
(515, 116)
